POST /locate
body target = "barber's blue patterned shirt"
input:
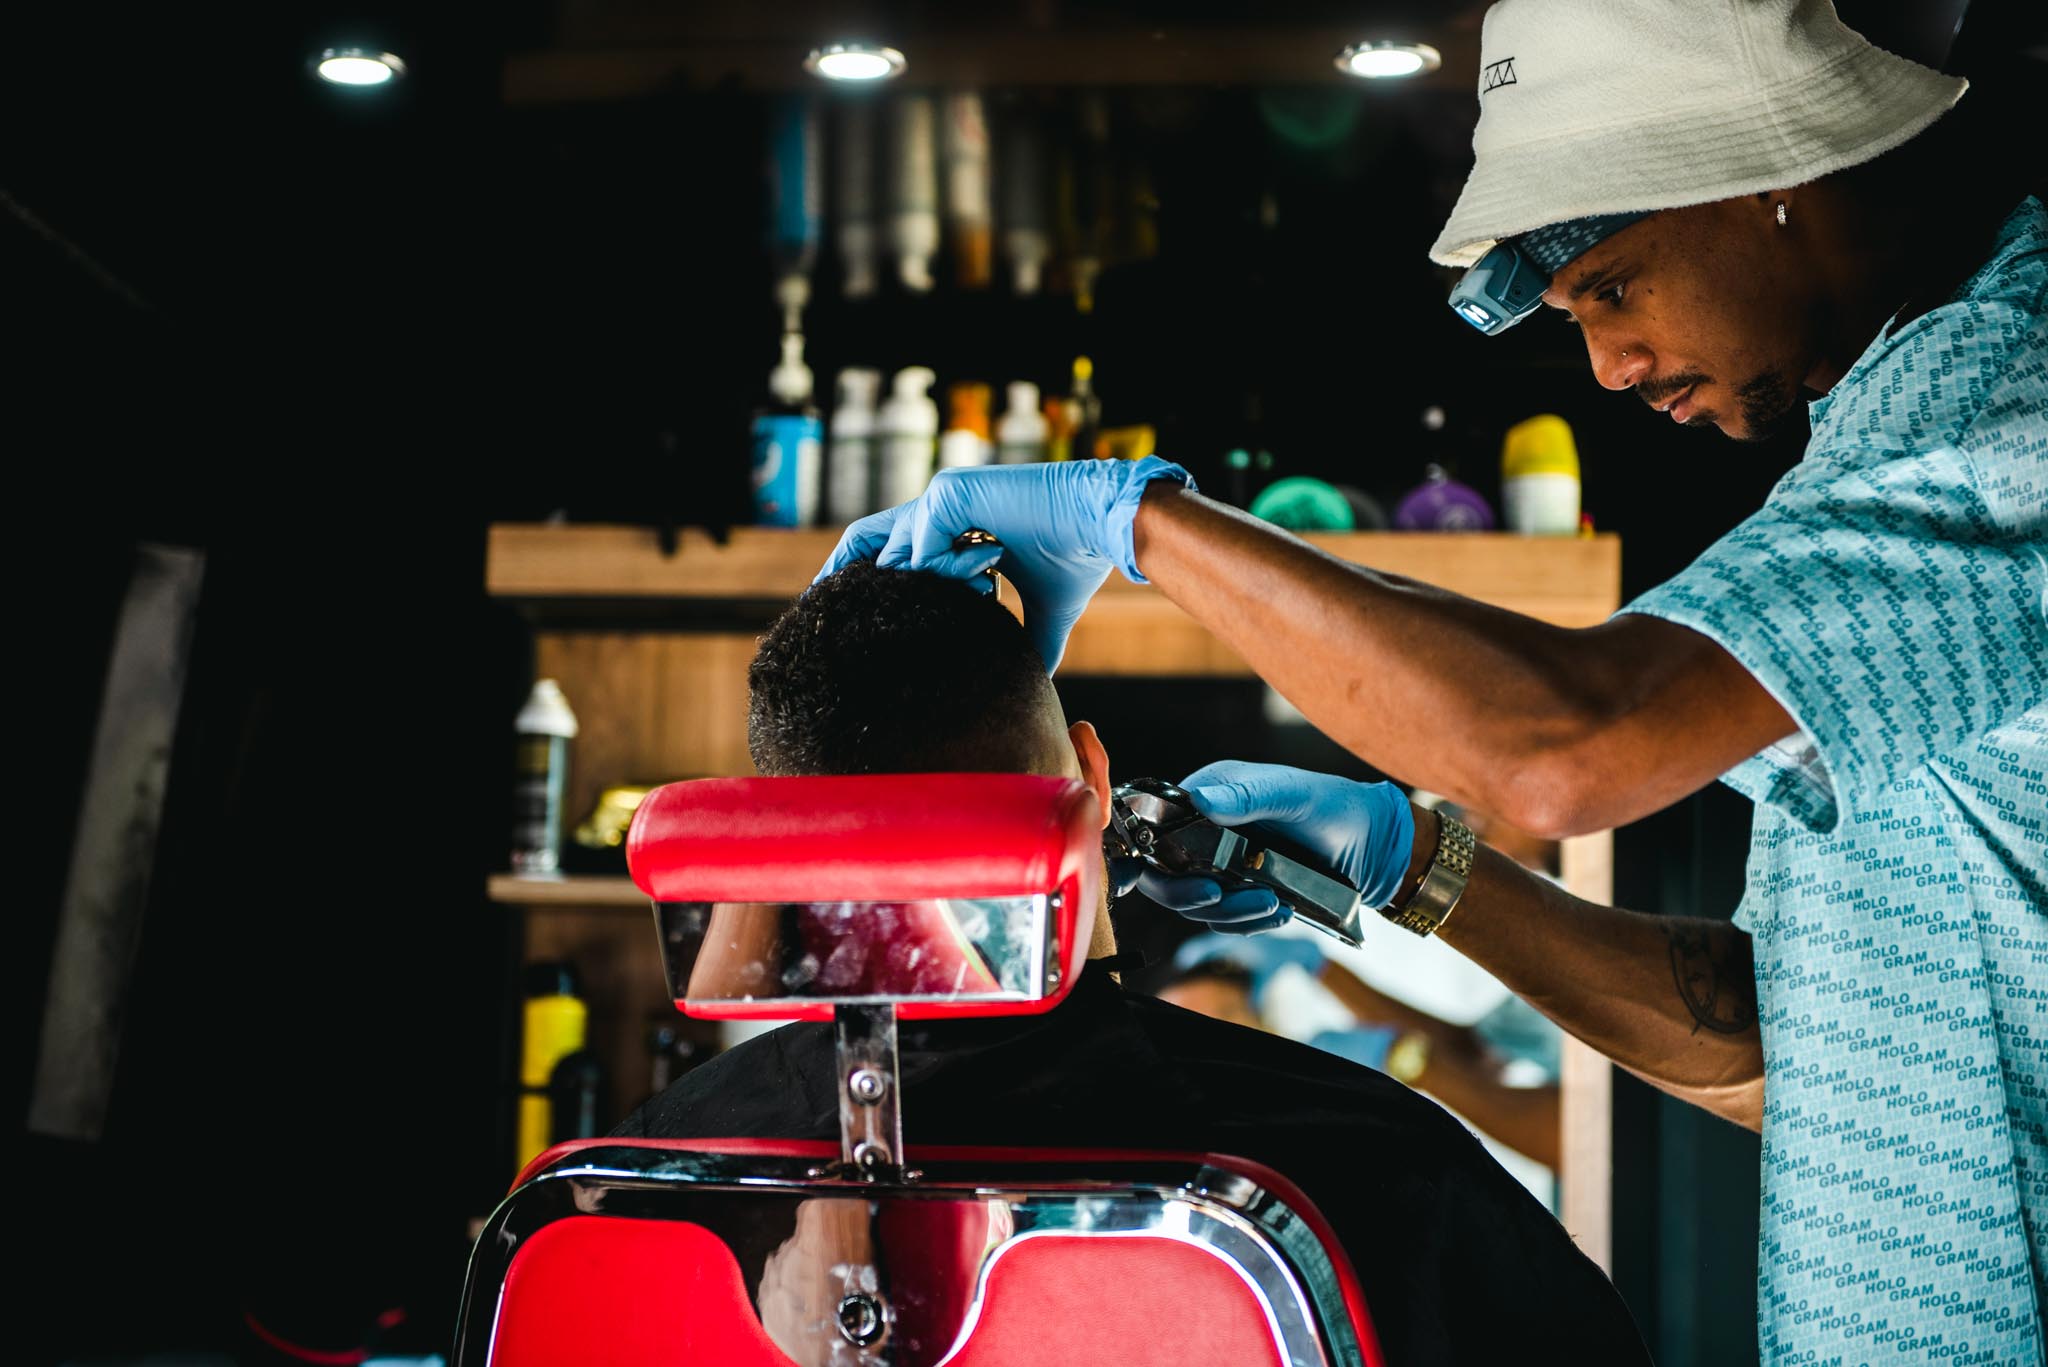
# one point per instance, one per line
(1892, 595)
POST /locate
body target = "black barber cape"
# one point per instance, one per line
(1459, 1263)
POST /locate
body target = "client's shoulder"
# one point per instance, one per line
(770, 1084)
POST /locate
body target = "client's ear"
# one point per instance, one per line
(1094, 761)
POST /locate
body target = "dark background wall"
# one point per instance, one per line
(330, 341)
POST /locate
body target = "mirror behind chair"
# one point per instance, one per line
(753, 957)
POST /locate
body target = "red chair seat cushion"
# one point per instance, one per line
(587, 1291)
(1126, 1300)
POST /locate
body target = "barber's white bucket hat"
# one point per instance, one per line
(1608, 106)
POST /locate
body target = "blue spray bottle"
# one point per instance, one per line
(788, 444)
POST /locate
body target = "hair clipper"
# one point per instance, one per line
(1157, 822)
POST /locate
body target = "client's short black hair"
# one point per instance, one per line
(876, 671)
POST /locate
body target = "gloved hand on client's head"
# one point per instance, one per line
(1061, 527)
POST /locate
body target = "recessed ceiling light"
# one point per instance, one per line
(855, 62)
(357, 66)
(1379, 61)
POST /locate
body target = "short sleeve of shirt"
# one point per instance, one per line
(1890, 594)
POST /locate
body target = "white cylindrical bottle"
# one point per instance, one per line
(1021, 434)
(850, 457)
(907, 435)
(913, 202)
(545, 727)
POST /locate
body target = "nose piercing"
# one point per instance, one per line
(1624, 355)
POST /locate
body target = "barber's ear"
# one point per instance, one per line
(1094, 762)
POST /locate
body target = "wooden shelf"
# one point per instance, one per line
(1129, 629)
(571, 891)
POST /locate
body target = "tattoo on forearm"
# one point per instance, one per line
(1713, 981)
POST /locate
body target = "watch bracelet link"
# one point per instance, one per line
(1442, 884)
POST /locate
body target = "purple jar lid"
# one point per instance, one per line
(1441, 504)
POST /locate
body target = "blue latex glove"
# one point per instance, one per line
(1262, 957)
(1367, 1044)
(1365, 831)
(1062, 526)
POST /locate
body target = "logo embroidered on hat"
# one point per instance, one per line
(1494, 75)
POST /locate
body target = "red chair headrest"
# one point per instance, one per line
(877, 838)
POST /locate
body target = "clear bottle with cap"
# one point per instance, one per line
(789, 443)
(544, 728)
(906, 435)
(1021, 434)
(850, 467)
(966, 441)
(1539, 477)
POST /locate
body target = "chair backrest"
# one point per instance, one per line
(661, 1253)
(762, 1252)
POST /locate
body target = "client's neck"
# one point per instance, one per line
(1102, 944)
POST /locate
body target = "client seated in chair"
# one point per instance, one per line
(891, 671)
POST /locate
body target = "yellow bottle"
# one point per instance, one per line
(556, 1024)
(1539, 477)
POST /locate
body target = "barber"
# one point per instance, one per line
(1711, 192)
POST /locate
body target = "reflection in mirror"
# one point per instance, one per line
(937, 950)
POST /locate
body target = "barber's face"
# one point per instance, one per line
(1702, 312)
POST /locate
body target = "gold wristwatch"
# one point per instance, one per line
(1444, 882)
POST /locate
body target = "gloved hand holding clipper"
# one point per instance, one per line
(1364, 831)
(1060, 526)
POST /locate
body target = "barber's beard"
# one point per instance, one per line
(1770, 405)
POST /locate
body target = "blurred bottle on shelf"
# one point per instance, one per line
(578, 1098)
(672, 1050)
(1091, 197)
(544, 728)
(857, 231)
(553, 1025)
(1087, 410)
(1061, 415)
(966, 440)
(913, 197)
(1023, 213)
(1133, 442)
(1244, 470)
(788, 444)
(851, 474)
(1441, 503)
(1539, 477)
(906, 435)
(795, 203)
(970, 227)
(1021, 434)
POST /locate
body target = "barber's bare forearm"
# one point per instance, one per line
(1561, 731)
(1672, 999)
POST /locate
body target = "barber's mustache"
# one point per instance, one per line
(1654, 392)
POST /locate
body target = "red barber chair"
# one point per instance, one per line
(862, 900)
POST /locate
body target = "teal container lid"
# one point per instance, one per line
(1301, 504)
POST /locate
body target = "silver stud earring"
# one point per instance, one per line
(1624, 355)
(1781, 213)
